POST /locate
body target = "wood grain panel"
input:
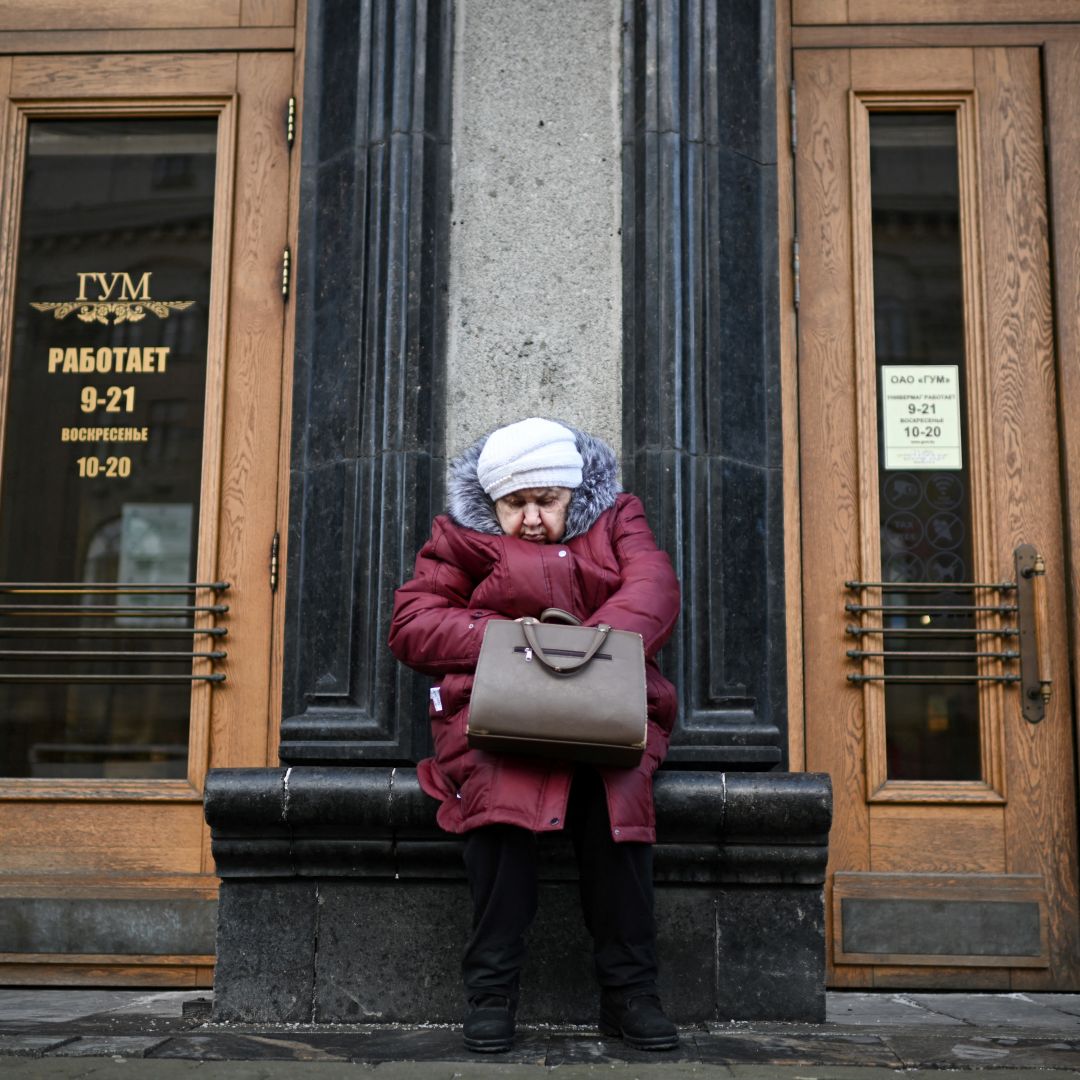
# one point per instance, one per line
(116, 14)
(922, 839)
(789, 388)
(893, 977)
(1062, 92)
(1023, 889)
(1041, 820)
(277, 646)
(960, 11)
(11, 172)
(110, 885)
(102, 959)
(99, 790)
(1013, 457)
(828, 452)
(138, 839)
(222, 39)
(247, 509)
(165, 75)
(913, 69)
(120, 837)
(929, 35)
(267, 12)
(160, 975)
(818, 11)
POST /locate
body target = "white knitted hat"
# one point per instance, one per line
(532, 453)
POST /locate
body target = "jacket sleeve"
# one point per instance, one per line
(434, 629)
(647, 601)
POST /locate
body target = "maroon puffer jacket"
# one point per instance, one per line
(612, 573)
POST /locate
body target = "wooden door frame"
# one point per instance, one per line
(1059, 46)
(821, 24)
(266, 33)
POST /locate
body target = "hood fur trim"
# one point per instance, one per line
(469, 506)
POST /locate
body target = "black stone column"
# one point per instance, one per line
(367, 468)
(701, 435)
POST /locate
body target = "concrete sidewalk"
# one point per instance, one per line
(110, 1034)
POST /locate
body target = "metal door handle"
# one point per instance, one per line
(1035, 680)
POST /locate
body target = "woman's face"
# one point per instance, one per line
(535, 514)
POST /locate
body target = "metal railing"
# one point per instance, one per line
(199, 623)
(1014, 623)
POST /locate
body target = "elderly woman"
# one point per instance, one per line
(537, 520)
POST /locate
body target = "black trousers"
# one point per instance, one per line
(616, 897)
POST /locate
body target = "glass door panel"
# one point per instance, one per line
(931, 715)
(103, 447)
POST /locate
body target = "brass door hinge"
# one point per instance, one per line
(286, 272)
(792, 103)
(290, 123)
(275, 546)
(796, 290)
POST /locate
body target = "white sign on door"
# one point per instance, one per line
(921, 414)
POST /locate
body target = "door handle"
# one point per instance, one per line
(1035, 680)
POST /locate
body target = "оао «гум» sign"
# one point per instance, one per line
(921, 416)
(119, 299)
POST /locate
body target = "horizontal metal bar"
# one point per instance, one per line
(932, 631)
(107, 610)
(922, 609)
(934, 678)
(50, 678)
(1009, 654)
(110, 587)
(110, 631)
(931, 586)
(75, 654)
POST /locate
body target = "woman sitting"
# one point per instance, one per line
(537, 520)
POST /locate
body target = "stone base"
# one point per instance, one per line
(338, 951)
(342, 920)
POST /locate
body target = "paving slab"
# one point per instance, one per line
(465, 1070)
(866, 1035)
(846, 1072)
(594, 1050)
(166, 1004)
(982, 1052)
(29, 1045)
(882, 1010)
(796, 1050)
(1066, 1003)
(444, 1044)
(218, 1046)
(840, 1072)
(125, 1069)
(999, 1010)
(46, 1006)
(128, 1046)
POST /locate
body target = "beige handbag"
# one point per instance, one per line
(572, 692)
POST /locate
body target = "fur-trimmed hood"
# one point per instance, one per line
(469, 506)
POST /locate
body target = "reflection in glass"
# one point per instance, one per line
(932, 730)
(103, 435)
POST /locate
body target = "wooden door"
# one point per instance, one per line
(145, 201)
(929, 454)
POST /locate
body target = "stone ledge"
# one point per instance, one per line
(342, 901)
(376, 822)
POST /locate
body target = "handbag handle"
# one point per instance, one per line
(564, 666)
(556, 614)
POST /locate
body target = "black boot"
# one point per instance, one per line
(637, 1017)
(489, 1024)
